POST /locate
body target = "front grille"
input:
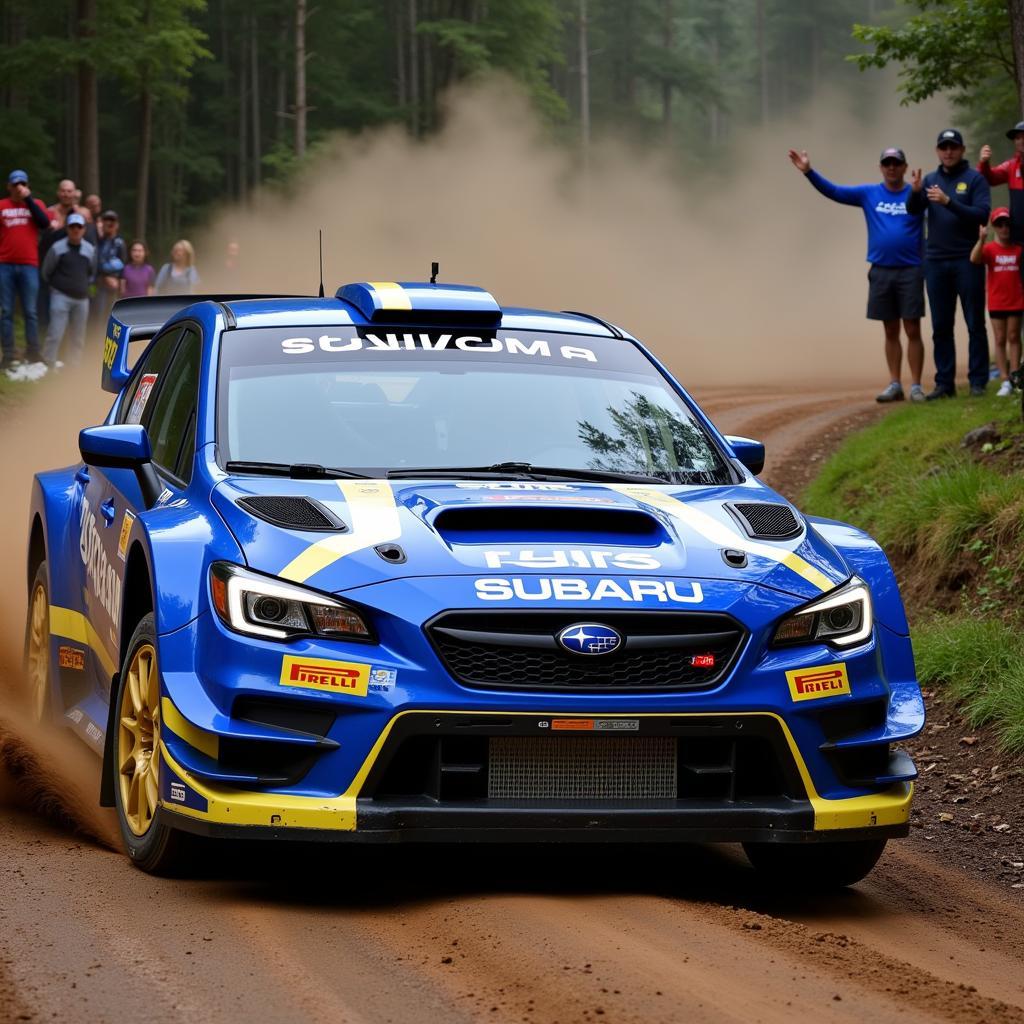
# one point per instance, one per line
(580, 768)
(515, 649)
(766, 520)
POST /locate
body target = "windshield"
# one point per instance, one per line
(375, 402)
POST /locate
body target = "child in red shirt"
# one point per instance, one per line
(1005, 293)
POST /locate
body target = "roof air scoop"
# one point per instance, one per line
(417, 302)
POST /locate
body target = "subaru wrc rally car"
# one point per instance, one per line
(404, 565)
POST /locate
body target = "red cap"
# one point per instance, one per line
(999, 211)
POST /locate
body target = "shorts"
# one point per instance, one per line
(1003, 314)
(895, 293)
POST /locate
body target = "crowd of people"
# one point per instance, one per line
(931, 235)
(65, 265)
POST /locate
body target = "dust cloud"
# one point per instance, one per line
(739, 274)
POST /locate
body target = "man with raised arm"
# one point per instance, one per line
(894, 212)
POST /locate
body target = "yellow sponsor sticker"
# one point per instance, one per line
(323, 674)
(961, 186)
(819, 681)
(126, 532)
(109, 351)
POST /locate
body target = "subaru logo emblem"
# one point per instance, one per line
(590, 638)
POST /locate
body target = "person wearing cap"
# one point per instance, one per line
(894, 212)
(69, 269)
(959, 201)
(111, 257)
(1005, 293)
(1008, 173)
(22, 219)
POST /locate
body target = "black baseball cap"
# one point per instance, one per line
(949, 135)
(109, 215)
(1017, 129)
(893, 153)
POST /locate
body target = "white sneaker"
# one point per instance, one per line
(1005, 390)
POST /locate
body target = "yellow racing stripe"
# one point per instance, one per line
(72, 625)
(391, 294)
(718, 533)
(173, 719)
(373, 519)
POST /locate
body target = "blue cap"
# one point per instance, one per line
(17, 178)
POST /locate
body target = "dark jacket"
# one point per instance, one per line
(953, 229)
(70, 268)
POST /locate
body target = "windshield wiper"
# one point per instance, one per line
(525, 470)
(297, 470)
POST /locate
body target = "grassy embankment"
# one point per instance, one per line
(951, 519)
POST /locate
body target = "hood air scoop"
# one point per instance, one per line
(550, 525)
(765, 520)
(292, 512)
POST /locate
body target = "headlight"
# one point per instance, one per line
(267, 607)
(842, 618)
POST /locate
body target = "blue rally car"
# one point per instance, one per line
(402, 564)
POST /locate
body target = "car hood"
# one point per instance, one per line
(385, 530)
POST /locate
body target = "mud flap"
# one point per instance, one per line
(107, 775)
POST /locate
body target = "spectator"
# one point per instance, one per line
(894, 214)
(179, 277)
(22, 219)
(232, 268)
(93, 204)
(959, 201)
(1009, 173)
(1005, 293)
(67, 202)
(69, 268)
(111, 257)
(138, 276)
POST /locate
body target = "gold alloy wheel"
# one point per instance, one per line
(39, 652)
(138, 741)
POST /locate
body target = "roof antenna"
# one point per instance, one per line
(321, 263)
(434, 268)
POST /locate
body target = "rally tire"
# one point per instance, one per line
(820, 866)
(38, 675)
(151, 845)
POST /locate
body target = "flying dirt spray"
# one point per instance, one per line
(741, 275)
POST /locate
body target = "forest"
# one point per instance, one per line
(169, 108)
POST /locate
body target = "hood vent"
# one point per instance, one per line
(766, 520)
(549, 524)
(292, 512)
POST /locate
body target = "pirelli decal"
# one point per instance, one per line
(724, 536)
(373, 517)
(324, 674)
(819, 681)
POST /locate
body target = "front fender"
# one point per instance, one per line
(867, 559)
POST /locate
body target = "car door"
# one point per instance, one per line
(110, 501)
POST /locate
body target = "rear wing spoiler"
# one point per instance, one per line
(139, 319)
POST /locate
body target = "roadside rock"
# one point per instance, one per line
(987, 433)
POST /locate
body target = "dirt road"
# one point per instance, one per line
(479, 934)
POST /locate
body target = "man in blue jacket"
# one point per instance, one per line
(959, 201)
(894, 212)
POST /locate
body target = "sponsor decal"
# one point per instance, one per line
(100, 575)
(322, 674)
(961, 186)
(72, 658)
(892, 209)
(109, 350)
(165, 495)
(138, 405)
(542, 588)
(817, 682)
(94, 733)
(594, 724)
(515, 485)
(574, 558)
(433, 343)
(590, 638)
(575, 499)
(703, 661)
(75, 715)
(175, 790)
(382, 680)
(126, 531)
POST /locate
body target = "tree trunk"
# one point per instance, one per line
(300, 78)
(414, 71)
(88, 108)
(257, 143)
(243, 109)
(281, 113)
(1016, 10)
(403, 96)
(142, 157)
(584, 48)
(668, 40)
(715, 111)
(762, 63)
(224, 56)
(428, 90)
